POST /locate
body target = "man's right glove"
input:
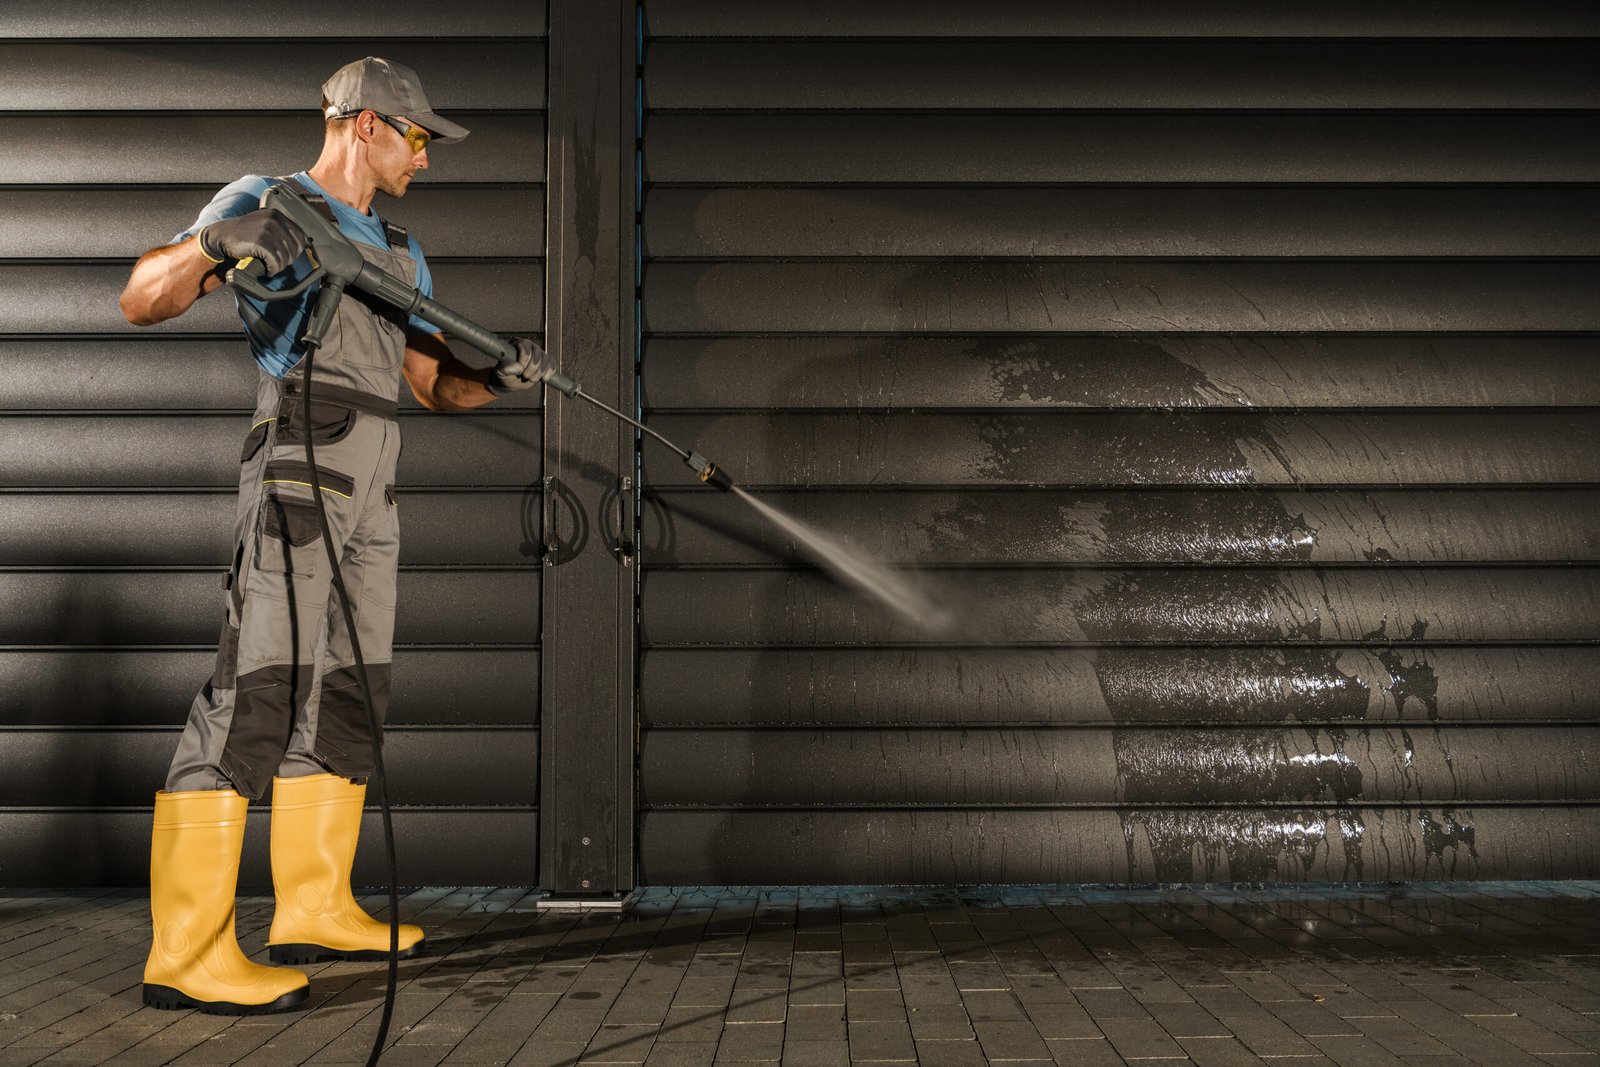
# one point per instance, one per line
(523, 371)
(263, 233)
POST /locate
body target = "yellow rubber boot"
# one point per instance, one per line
(195, 962)
(315, 822)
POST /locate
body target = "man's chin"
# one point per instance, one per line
(396, 188)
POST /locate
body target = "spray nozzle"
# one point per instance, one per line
(708, 471)
(557, 380)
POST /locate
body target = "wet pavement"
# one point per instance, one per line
(1438, 973)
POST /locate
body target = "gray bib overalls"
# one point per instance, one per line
(284, 699)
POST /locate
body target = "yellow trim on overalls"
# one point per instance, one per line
(308, 485)
(262, 423)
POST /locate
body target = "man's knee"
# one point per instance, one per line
(266, 703)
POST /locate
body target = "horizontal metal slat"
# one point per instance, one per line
(1377, 146)
(945, 296)
(483, 846)
(124, 768)
(110, 529)
(199, 147)
(1113, 370)
(155, 372)
(1132, 73)
(154, 687)
(1177, 606)
(488, 223)
(1130, 527)
(1028, 18)
(82, 298)
(1301, 843)
(992, 686)
(134, 75)
(886, 768)
(716, 222)
(367, 21)
(202, 450)
(1174, 448)
(184, 607)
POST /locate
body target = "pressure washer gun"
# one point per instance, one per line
(338, 264)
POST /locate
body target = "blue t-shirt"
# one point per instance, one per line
(286, 318)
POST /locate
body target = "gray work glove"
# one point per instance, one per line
(525, 370)
(264, 234)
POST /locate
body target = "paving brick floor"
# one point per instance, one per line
(1486, 973)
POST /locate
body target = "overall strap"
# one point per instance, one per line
(399, 239)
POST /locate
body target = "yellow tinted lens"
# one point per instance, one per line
(417, 138)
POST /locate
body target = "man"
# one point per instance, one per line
(284, 706)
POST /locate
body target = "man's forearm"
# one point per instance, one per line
(439, 380)
(460, 388)
(166, 282)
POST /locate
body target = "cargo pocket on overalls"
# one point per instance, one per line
(291, 532)
(254, 440)
(291, 537)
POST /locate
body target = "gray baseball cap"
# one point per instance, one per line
(390, 89)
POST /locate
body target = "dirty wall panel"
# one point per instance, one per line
(94, 608)
(1158, 19)
(1352, 73)
(482, 845)
(1289, 843)
(1338, 220)
(1227, 373)
(119, 446)
(962, 687)
(1157, 448)
(106, 529)
(1134, 526)
(146, 371)
(442, 686)
(1006, 767)
(201, 450)
(214, 148)
(1065, 146)
(1111, 370)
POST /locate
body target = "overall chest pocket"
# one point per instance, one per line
(369, 334)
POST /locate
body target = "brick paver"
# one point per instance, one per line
(1449, 973)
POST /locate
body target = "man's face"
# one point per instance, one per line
(393, 158)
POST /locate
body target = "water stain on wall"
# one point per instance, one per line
(1229, 803)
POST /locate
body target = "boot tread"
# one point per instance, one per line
(167, 998)
(305, 954)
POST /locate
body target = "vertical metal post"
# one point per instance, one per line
(586, 761)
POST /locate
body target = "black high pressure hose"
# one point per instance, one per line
(338, 264)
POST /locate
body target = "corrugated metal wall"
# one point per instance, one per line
(1230, 368)
(117, 445)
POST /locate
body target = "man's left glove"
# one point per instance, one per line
(525, 370)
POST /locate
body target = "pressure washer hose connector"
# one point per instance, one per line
(708, 471)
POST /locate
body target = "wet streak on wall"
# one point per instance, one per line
(119, 445)
(1236, 449)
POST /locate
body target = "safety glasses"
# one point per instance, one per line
(416, 137)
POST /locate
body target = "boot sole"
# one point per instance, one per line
(169, 999)
(306, 954)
